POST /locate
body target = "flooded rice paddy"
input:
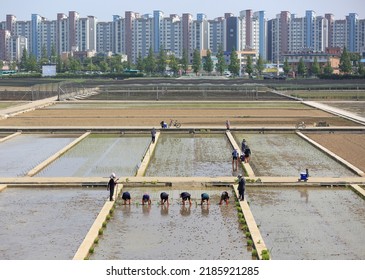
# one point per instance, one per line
(100, 155)
(24, 152)
(287, 154)
(173, 232)
(192, 155)
(310, 222)
(46, 223)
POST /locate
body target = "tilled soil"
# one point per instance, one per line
(189, 117)
(350, 147)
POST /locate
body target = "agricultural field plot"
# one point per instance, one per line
(5, 105)
(24, 152)
(192, 155)
(204, 114)
(110, 153)
(174, 232)
(355, 107)
(310, 223)
(46, 223)
(286, 154)
(327, 95)
(349, 146)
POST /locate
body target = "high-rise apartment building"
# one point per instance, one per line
(142, 37)
(216, 34)
(104, 35)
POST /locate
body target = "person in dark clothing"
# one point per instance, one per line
(247, 154)
(153, 135)
(224, 197)
(146, 199)
(164, 198)
(185, 196)
(243, 145)
(111, 186)
(235, 155)
(126, 196)
(205, 197)
(241, 187)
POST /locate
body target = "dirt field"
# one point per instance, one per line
(350, 147)
(203, 115)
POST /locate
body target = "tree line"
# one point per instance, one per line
(168, 64)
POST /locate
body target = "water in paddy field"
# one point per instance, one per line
(46, 223)
(100, 155)
(321, 223)
(176, 232)
(24, 152)
(192, 155)
(288, 155)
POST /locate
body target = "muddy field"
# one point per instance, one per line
(46, 223)
(310, 223)
(356, 107)
(350, 147)
(191, 115)
(174, 232)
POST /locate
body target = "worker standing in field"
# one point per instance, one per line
(111, 186)
(228, 125)
(241, 187)
(235, 155)
(153, 135)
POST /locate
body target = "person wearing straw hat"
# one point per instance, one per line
(111, 186)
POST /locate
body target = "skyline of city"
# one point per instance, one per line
(106, 9)
(134, 33)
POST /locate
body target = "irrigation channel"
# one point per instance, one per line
(311, 221)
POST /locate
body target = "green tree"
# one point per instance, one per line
(345, 62)
(249, 66)
(161, 61)
(208, 63)
(74, 64)
(32, 64)
(44, 56)
(286, 66)
(24, 60)
(12, 65)
(316, 69)
(139, 63)
(197, 61)
(221, 62)
(104, 66)
(184, 61)
(234, 65)
(53, 57)
(1, 64)
(174, 64)
(260, 65)
(360, 68)
(150, 62)
(115, 63)
(302, 70)
(328, 68)
(59, 64)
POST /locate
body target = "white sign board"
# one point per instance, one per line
(48, 70)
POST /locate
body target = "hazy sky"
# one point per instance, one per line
(104, 9)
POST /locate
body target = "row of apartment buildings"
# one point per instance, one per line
(135, 34)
